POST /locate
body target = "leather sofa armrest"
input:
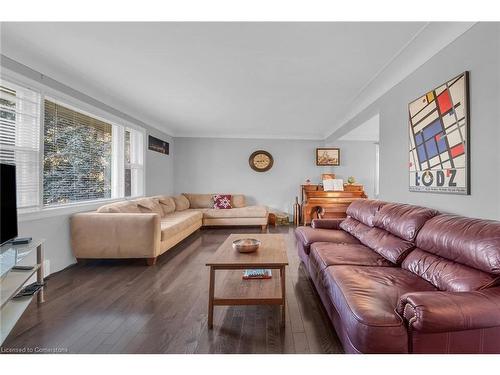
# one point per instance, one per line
(115, 235)
(451, 311)
(326, 223)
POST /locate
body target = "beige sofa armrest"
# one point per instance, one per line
(115, 235)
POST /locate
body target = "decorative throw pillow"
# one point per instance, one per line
(222, 201)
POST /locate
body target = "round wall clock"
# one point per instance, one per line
(261, 161)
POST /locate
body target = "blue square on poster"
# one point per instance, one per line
(419, 139)
(442, 143)
(421, 153)
(431, 148)
(431, 130)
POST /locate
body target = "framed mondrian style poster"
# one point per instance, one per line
(439, 145)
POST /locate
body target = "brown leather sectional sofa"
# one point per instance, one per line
(397, 278)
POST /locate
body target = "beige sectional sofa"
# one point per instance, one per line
(240, 214)
(147, 227)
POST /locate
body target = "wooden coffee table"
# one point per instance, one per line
(232, 289)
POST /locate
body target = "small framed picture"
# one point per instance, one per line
(327, 156)
(155, 144)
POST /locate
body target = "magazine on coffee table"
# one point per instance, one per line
(257, 274)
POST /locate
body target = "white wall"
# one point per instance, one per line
(211, 165)
(478, 51)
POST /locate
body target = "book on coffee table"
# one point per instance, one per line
(257, 274)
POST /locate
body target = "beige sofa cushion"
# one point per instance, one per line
(167, 204)
(244, 212)
(178, 221)
(149, 205)
(200, 200)
(181, 203)
(207, 200)
(120, 207)
(238, 201)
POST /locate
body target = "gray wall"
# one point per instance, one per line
(159, 167)
(478, 51)
(210, 165)
(357, 159)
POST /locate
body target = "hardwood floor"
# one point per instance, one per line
(127, 307)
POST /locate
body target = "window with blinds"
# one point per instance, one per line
(20, 139)
(84, 158)
(77, 156)
(87, 159)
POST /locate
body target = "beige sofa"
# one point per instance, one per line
(147, 227)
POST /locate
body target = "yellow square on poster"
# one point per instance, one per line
(430, 96)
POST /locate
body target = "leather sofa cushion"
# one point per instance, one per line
(447, 275)
(324, 254)
(200, 200)
(181, 203)
(402, 220)
(327, 223)
(308, 235)
(177, 222)
(354, 227)
(120, 207)
(472, 242)
(364, 210)
(366, 299)
(167, 203)
(384, 243)
(390, 247)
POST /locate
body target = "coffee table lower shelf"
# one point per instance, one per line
(232, 290)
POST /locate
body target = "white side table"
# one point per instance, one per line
(12, 281)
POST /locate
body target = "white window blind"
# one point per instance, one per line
(20, 139)
(86, 158)
(77, 156)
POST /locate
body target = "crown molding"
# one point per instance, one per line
(426, 43)
(299, 137)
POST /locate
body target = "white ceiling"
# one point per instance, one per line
(285, 80)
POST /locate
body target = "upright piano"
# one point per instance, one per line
(328, 204)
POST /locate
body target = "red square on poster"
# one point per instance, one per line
(457, 150)
(444, 101)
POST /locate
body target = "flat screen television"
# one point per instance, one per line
(8, 204)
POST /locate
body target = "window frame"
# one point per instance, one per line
(38, 91)
(46, 92)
